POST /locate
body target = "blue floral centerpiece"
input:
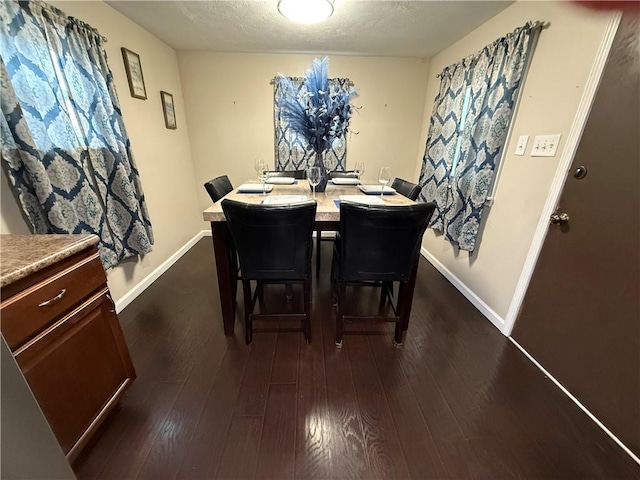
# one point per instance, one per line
(319, 112)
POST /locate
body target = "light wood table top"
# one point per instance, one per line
(327, 210)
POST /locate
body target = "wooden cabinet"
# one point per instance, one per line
(61, 326)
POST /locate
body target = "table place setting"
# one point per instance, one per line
(254, 188)
(377, 189)
(344, 181)
(362, 199)
(282, 180)
(284, 199)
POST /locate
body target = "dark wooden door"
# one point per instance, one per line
(581, 315)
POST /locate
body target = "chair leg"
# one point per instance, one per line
(383, 295)
(334, 283)
(233, 261)
(342, 292)
(307, 311)
(318, 243)
(397, 336)
(402, 306)
(248, 310)
(390, 290)
(260, 289)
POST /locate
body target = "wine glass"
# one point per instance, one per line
(384, 177)
(314, 179)
(263, 174)
(259, 162)
(358, 169)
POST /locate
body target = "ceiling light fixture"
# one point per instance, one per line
(306, 11)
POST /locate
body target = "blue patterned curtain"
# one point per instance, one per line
(64, 145)
(292, 151)
(494, 76)
(441, 143)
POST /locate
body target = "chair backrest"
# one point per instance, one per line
(273, 242)
(342, 174)
(408, 189)
(297, 174)
(381, 242)
(218, 187)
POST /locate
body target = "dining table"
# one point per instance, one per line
(327, 219)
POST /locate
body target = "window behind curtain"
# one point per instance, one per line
(461, 156)
(64, 145)
(291, 150)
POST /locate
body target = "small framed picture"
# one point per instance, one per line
(134, 73)
(169, 110)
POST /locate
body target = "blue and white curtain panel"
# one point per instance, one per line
(292, 151)
(494, 76)
(64, 145)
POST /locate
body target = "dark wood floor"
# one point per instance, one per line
(458, 401)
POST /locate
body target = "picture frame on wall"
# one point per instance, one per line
(169, 110)
(133, 66)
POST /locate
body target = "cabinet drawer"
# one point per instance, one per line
(77, 369)
(29, 312)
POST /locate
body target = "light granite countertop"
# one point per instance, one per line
(327, 210)
(22, 255)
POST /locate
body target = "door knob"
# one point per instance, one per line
(559, 218)
(580, 172)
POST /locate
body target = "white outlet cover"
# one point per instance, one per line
(522, 144)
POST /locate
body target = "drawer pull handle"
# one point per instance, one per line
(54, 299)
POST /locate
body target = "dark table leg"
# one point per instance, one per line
(226, 274)
(405, 295)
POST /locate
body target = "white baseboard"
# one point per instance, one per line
(577, 402)
(477, 302)
(140, 287)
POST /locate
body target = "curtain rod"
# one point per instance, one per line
(536, 28)
(349, 82)
(70, 19)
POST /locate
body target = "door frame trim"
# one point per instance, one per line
(571, 146)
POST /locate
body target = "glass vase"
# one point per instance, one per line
(324, 177)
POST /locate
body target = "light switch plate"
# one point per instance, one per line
(545, 145)
(522, 144)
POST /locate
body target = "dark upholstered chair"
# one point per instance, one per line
(408, 189)
(334, 174)
(274, 245)
(218, 187)
(378, 245)
(297, 174)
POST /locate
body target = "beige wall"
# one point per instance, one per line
(163, 156)
(229, 104)
(549, 101)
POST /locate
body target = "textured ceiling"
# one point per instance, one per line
(382, 28)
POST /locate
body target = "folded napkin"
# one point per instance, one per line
(284, 199)
(362, 199)
(345, 181)
(282, 180)
(254, 188)
(375, 189)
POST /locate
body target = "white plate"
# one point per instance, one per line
(254, 188)
(281, 180)
(345, 181)
(363, 199)
(373, 189)
(284, 199)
